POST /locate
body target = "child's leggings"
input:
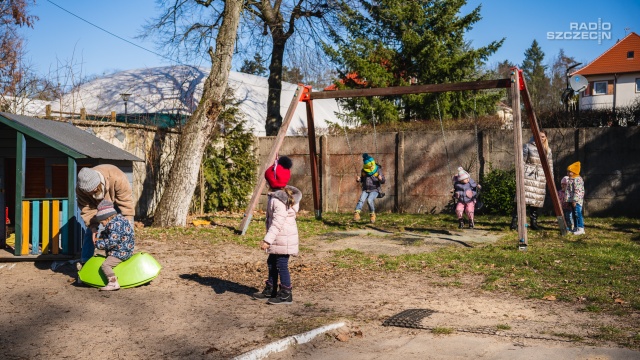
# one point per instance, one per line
(279, 266)
(467, 208)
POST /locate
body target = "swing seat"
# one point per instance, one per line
(139, 269)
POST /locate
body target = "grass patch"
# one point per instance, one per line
(442, 331)
(599, 271)
(503, 327)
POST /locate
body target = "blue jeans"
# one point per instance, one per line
(88, 248)
(279, 266)
(369, 197)
(578, 220)
(568, 218)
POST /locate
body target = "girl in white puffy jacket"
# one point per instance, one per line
(281, 239)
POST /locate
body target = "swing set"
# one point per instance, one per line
(518, 87)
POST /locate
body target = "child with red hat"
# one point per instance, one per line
(281, 239)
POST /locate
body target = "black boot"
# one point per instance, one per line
(460, 223)
(514, 222)
(268, 292)
(534, 219)
(284, 297)
(471, 224)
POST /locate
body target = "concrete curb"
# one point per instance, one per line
(283, 344)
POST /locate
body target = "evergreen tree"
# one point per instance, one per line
(229, 166)
(255, 66)
(537, 80)
(401, 42)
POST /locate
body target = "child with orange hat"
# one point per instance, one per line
(575, 196)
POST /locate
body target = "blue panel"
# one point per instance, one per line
(65, 228)
(35, 227)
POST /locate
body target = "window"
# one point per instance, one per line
(630, 54)
(600, 88)
(638, 85)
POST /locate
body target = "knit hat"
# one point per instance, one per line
(369, 165)
(88, 179)
(574, 168)
(278, 175)
(462, 174)
(105, 209)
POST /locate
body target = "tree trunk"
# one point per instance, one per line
(274, 118)
(173, 207)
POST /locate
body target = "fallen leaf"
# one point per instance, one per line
(619, 301)
(549, 298)
(342, 337)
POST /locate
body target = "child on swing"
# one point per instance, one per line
(281, 240)
(370, 179)
(465, 190)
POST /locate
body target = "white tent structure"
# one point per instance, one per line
(177, 90)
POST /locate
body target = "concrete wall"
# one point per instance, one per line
(419, 167)
(154, 146)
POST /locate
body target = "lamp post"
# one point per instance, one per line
(125, 98)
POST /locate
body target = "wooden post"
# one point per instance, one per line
(313, 157)
(551, 185)
(400, 172)
(47, 112)
(83, 114)
(519, 162)
(113, 116)
(257, 190)
(21, 165)
(325, 173)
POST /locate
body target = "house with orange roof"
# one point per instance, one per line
(613, 77)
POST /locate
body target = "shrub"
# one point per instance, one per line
(498, 191)
(228, 166)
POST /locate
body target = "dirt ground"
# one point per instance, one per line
(200, 307)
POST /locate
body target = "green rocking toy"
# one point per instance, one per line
(139, 269)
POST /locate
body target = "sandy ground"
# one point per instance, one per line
(200, 307)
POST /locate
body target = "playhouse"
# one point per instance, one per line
(39, 161)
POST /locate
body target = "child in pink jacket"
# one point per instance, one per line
(281, 239)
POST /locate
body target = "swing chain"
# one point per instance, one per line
(446, 151)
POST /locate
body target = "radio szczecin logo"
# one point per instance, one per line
(583, 31)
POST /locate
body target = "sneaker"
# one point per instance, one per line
(356, 216)
(579, 231)
(112, 285)
(267, 293)
(79, 265)
(284, 297)
(372, 218)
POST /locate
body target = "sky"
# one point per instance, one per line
(59, 37)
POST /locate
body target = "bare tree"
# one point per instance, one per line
(13, 15)
(174, 205)
(295, 27)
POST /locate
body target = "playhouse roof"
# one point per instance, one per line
(623, 57)
(66, 138)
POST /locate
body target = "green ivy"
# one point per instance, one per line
(498, 191)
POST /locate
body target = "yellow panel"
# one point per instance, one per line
(26, 227)
(55, 227)
(45, 226)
